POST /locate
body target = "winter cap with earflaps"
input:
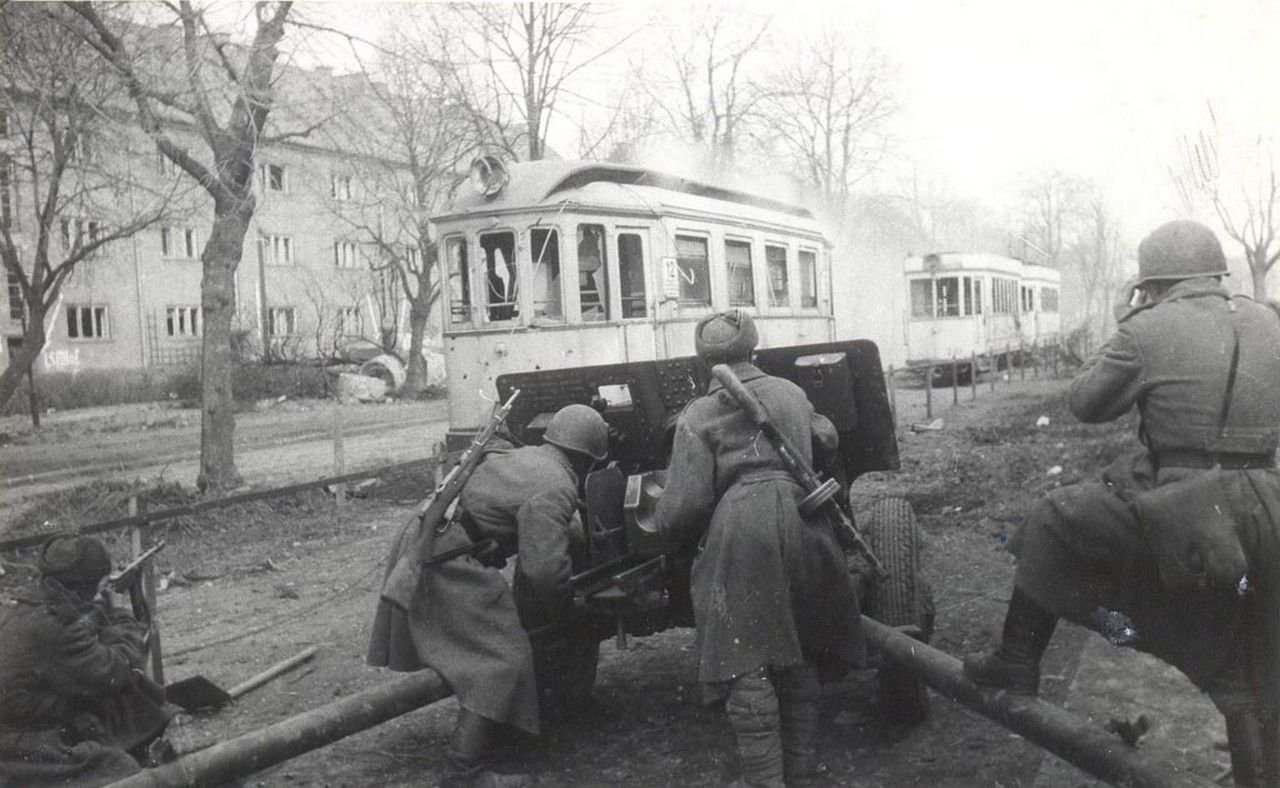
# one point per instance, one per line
(74, 560)
(726, 337)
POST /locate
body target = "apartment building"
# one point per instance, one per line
(309, 280)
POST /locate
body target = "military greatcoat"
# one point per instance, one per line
(73, 699)
(1083, 548)
(769, 588)
(463, 620)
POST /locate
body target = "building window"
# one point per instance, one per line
(347, 322)
(273, 177)
(75, 232)
(500, 275)
(275, 249)
(346, 254)
(179, 242)
(280, 321)
(635, 303)
(4, 124)
(775, 261)
(593, 273)
(742, 289)
(459, 278)
(340, 187)
(544, 245)
(183, 321)
(1049, 299)
(6, 193)
(17, 305)
(808, 278)
(79, 147)
(87, 322)
(165, 165)
(691, 264)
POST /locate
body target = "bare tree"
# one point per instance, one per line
(1244, 191)
(510, 65)
(66, 192)
(413, 144)
(706, 90)
(1052, 206)
(215, 77)
(827, 109)
(1096, 260)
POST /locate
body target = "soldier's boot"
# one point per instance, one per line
(1014, 665)
(752, 708)
(466, 759)
(798, 695)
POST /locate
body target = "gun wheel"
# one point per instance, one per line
(564, 662)
(902, 599)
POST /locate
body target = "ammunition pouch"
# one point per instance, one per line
(1191, 530)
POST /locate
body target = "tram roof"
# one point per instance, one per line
(550, 183)
(980, 261)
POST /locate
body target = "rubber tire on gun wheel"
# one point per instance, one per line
(901, 599)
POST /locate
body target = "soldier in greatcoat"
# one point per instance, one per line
(463, 621)
(75, 706)
(774, 603)
(1203, 369)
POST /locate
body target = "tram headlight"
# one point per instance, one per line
(488, 175)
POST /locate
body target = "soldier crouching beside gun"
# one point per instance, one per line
(461, 617)
(75, 706)
(774, 603)
(1175, 551)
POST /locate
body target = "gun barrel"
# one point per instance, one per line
(122, 579)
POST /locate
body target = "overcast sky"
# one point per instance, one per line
(991, 89)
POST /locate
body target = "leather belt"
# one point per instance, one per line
(1235, 461)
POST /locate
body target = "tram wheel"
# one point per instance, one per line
(901, 599)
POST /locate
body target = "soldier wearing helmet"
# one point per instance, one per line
(464, 622)
(773, 600)
(1136, 554)
(74, 703)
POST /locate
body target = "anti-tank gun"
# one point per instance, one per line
(626, 583)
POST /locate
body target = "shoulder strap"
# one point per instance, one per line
(1231, 374)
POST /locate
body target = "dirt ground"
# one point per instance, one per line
(254, 585)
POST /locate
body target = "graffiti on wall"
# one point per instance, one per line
(62, 359)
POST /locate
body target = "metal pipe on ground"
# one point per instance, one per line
(1060, 732)
(291, 737)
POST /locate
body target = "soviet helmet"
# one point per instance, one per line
(74, 560)
(579, 428)
(724, 337)
(1180, 250)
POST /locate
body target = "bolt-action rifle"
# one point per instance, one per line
(430, 514)
(129, 579)
(821, 493)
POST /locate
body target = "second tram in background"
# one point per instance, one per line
(967, 305)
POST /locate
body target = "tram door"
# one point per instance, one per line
(637, 294)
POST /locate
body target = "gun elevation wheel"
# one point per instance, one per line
(902, 599)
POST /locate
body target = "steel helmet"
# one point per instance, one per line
(74, 560)
(579, 428)
(725, 337)
(1180, 250)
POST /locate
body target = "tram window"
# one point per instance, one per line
(695, 279)
(501, 285)
(973, 295)
(593, 289)
(742, 290)
(1028, 299)
(808, 278)
(775, 259)
(922, 298)
(1004, 296)
(455, 251)
(1049, 299)
(544, 247)
(631, 270)
(948, 297)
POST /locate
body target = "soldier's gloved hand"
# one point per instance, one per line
(1130, 296)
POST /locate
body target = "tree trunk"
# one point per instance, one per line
(1259, 279)
(220, 259)
(33, 341)
(419, 313)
